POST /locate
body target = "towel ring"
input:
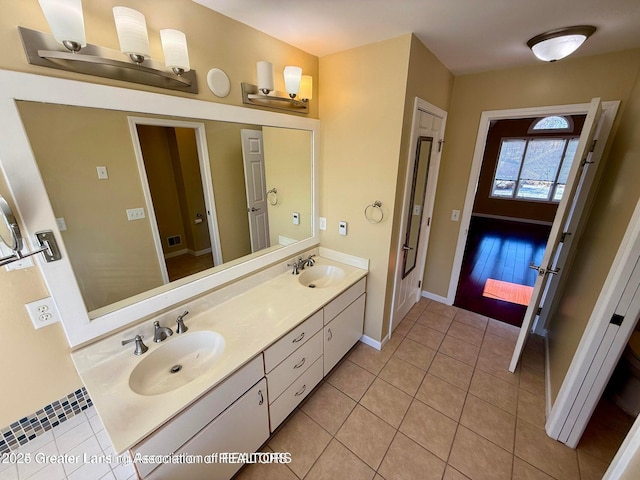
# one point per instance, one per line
(272, 196)
(369, 212)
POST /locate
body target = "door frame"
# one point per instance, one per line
(609, 110)
(430, 195)
(205, 175)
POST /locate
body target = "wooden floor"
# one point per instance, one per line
(501, 250)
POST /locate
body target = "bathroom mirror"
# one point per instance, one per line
(49, 193)
(416, 205)
(9, 232)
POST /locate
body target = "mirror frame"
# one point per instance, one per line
(34, 209)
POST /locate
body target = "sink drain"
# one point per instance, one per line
(311, 285)
(175, 369)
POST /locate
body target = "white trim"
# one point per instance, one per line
(345, 258)
(32, 204)
(511, 219)
(436, 298)
(629, 449)
(374, 343)
(177, 253)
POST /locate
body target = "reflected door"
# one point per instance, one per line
(254, 175)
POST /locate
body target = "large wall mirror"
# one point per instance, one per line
(155, 198)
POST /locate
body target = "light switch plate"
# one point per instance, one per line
(102, 173)
(342, 228)
(455, 215)
(323, 223)
(296, 218)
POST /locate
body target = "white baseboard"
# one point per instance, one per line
(374, 343)
(177, 253)
(437, 298)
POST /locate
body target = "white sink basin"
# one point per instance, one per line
(320, 276)
(176, 363)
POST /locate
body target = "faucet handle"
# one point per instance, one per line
(296, 267)
(180, 321)
(140, 346)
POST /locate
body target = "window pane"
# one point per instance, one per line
(511, 152)
(564, 169)
(551, 123)
(540, 167)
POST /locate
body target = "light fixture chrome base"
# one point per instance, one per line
(43, 50)
(277, 100)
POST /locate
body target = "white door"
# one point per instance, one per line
(566, 220)
(419, 194)
(254, 177)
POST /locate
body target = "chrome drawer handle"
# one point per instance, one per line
(261, 397)
(304, 387)
(300, 363)
(330, 334)
(296, 340)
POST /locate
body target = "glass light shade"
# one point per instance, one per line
(558, 47)
(174, 46)
(292, 77)
(265, 77)
(65, 20)
(132, 31)
(306, 87)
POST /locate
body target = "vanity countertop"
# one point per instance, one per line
(249, 322)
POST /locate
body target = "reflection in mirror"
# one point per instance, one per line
(10, 238)
(142, 207)
(416, 205)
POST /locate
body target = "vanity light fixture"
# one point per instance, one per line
(67, 26)
(560, 43)
(263, 94)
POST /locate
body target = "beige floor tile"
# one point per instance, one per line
(523, 471)
(451, 370)
(502, 329)
(368, 357)
(414, 353)
(415, 311)
(491, 422)
(404, 326)
(452, 474)
(612, 415)
(304, 439)
(435, 321)
(495, 391)
(500, 345)
(552, 457)
(497, 365)
(442, 396)
(328, 407)
(426, 336)
(351, 379)
(366, 435)
(266, 471)
(460, 350)
(478, 458)
(429, 428)
(465, 332)
(591, 468)
(402, 375)
(390, 347)
(448, 311)
(473, 319)
(533, 360)
(338, 462)
(386, 401)
(601, 441)
(532, 381)
(406, 460)
(531, 408)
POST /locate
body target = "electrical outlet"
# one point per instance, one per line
(342, 228)
(455, 215)
(102, 173)
(323, 223)
(43, 312)
(296, 218)
(135, 213)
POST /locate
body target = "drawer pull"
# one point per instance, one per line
(296, 340)
(300, 363)
(330, 335)
(304, 387)
(261, 397)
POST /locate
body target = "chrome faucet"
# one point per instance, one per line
(140, 346)
(301, 263)
(309, 261)
(161, 333)
(181, 328)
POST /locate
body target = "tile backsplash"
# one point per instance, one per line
(40, 422)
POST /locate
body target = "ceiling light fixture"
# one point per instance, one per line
(562, 42)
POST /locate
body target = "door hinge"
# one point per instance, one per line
(419, 283)
(616, 319)
(440, 142)
(563, 237)
(539, 311)
(428, 221)
(593, 145)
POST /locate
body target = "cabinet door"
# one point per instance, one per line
(243, 427)
(343, 332)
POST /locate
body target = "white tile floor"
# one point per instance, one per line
(81, 435)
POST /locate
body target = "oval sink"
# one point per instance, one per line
(177, 363)
(320, 276)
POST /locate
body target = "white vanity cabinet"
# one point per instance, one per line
(232, 417)
(343, 324)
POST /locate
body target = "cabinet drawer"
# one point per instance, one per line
(177, 431)
(297, 337)
(342, 333)
(242, 428)
(293, 395)
(345, 299)
(293, 366)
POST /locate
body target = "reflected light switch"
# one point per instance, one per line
(102, 173)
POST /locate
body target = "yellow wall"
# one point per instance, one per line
(214, 41)
(614, 204)
(570, 81)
